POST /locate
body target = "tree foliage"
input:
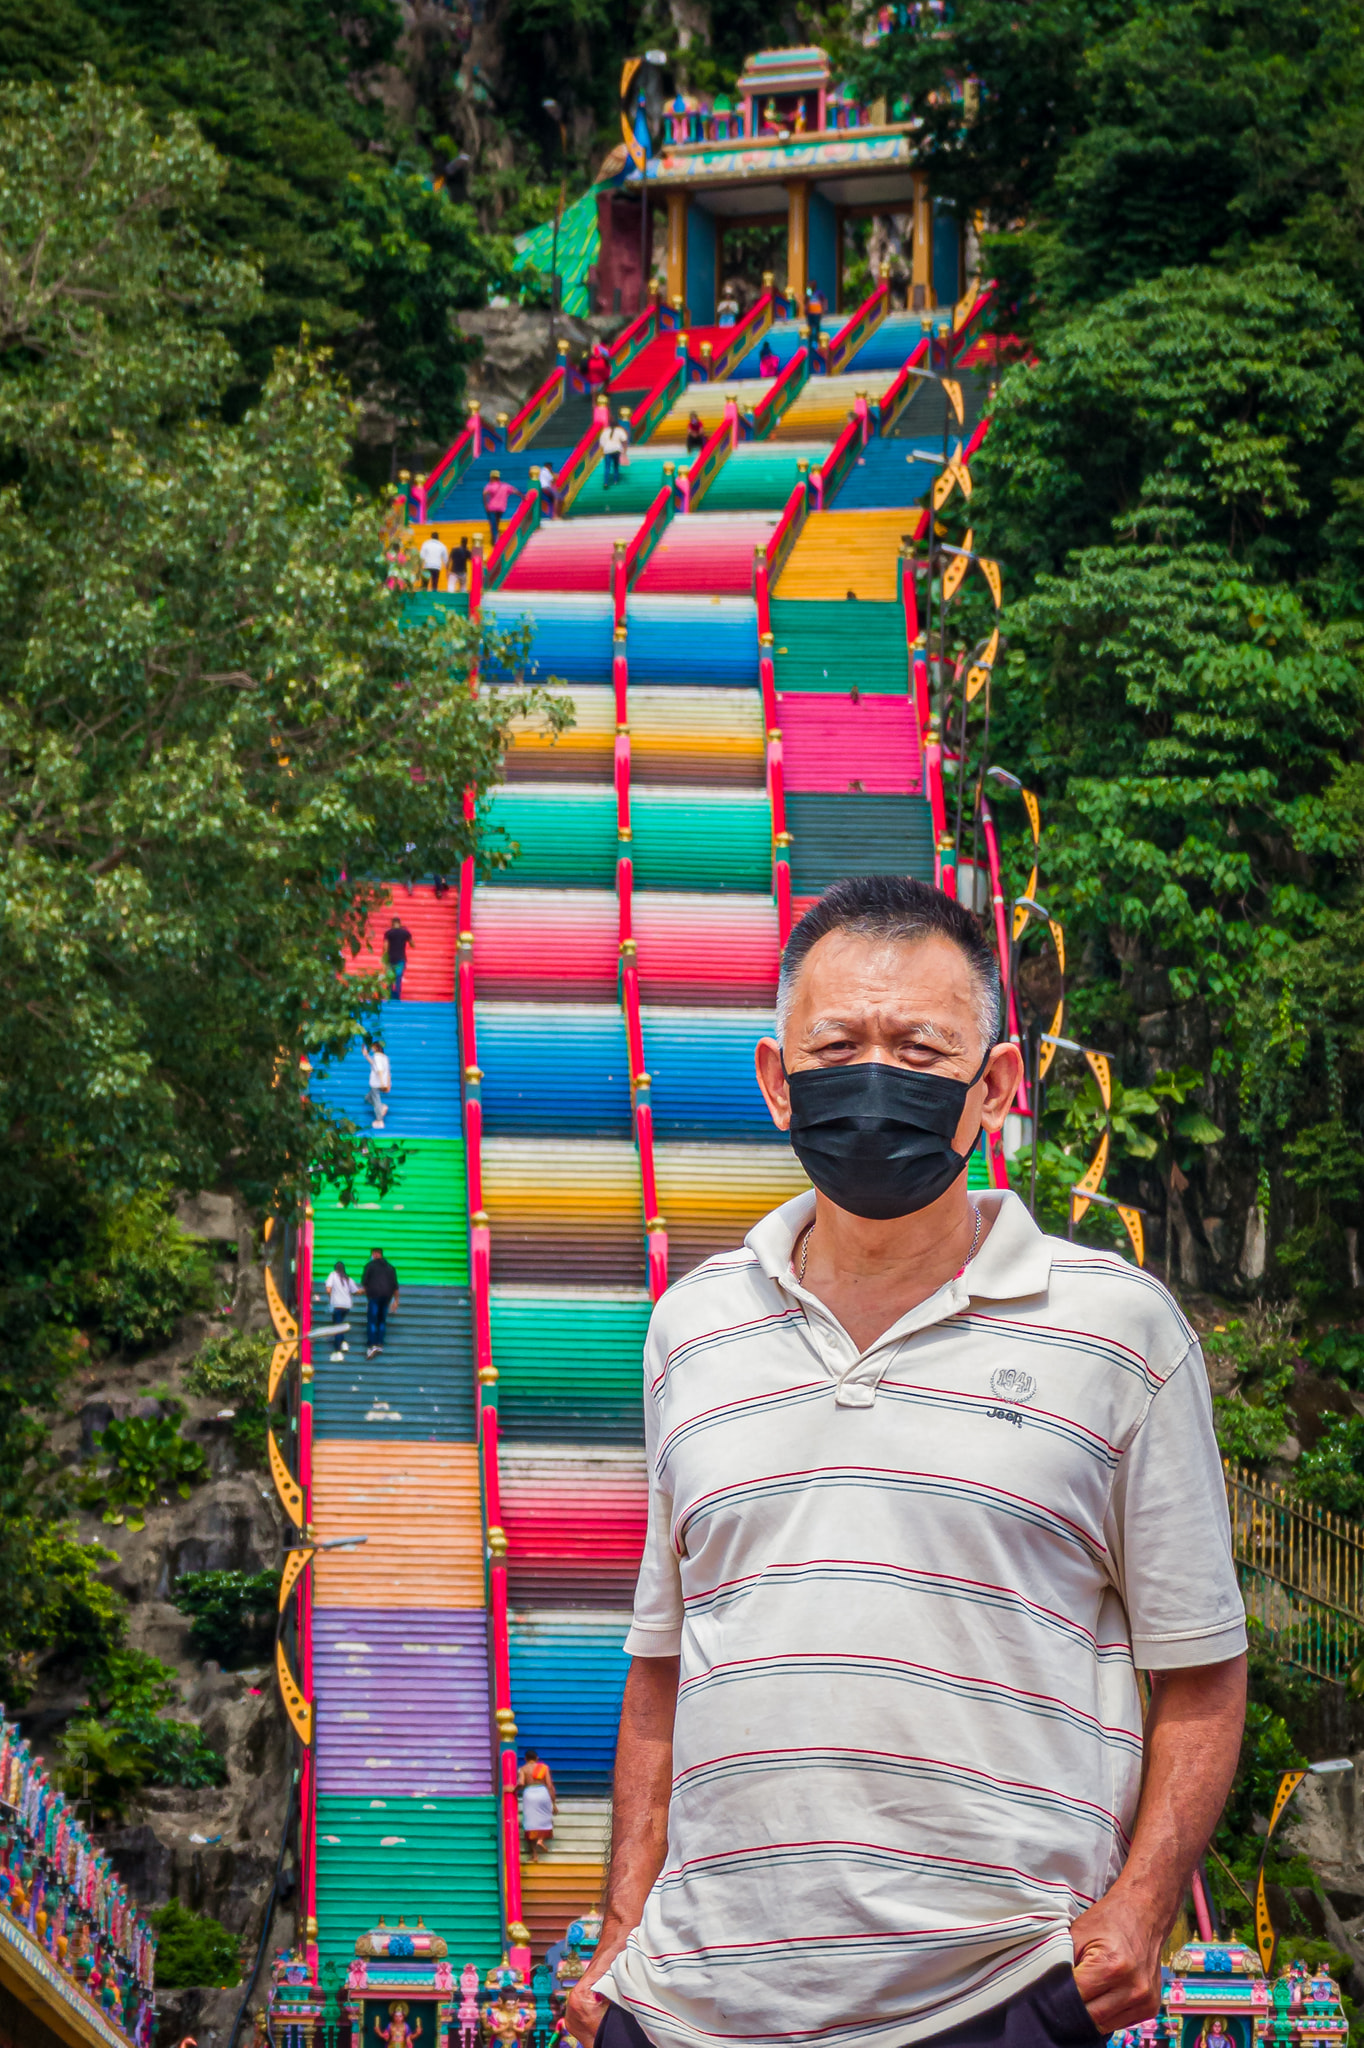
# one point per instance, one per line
(216, 728)
(317, 188)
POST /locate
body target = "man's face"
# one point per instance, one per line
(911, 1003)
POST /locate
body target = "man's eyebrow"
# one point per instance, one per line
(911, 1027)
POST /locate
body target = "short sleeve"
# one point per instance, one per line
(657, 1627)
(1170, 1533)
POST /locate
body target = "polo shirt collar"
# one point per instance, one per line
(1014, 1261)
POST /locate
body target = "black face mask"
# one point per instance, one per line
(877, 1139)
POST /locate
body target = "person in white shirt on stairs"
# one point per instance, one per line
(341, 1296)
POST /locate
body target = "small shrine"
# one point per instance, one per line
(1216, 1994)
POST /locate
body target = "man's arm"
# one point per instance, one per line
(639, 1824)
(1193, 1740)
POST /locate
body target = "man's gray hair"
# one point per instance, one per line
(894, 907)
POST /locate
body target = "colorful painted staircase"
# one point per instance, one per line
(741, 739)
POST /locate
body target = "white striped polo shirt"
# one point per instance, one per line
(908, 1587)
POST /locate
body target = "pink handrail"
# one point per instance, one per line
(303, 1597)
(895, 397)
(776, 787)
(784, 388)
(848, 338)
(513, 538)
(485, 1373)
(825, 481)
(656, 520)
(697, 480)
(787, 531)
(745, 337)
(655, 1230)
(517, 423)
(470, 442)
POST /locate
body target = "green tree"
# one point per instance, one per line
(216, 727)
(287, 93)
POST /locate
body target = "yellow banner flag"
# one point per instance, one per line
(1021, 909)
(1131, 1222)
(1088, 1183)
(1048, 1052)
(1034, 811)
(1099, 1068)
(990, 571)
(953, 390)
(1058, 939)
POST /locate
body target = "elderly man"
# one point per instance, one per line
(926, 1488)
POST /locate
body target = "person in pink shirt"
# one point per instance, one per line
(497, 496)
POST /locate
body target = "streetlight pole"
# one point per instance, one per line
(556, 114)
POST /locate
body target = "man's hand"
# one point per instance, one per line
(586, 2008)
(1117, 1959)
(1193, 1740)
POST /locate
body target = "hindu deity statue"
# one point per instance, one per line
(507, 2019)
(398, 2034)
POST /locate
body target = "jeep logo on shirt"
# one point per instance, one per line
(1007, 1383)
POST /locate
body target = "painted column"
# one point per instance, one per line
(821, 261)
(797, 240)
(677, 248)
(921, 271)
(700, 285)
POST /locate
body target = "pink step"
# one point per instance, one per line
(709, 553)
(834, 744)
(570, 554)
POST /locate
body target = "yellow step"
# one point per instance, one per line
(849, 554)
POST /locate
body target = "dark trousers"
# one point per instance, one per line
(433, 579)
(376, 1319)
(494, 521)
(399, 969)
(612, 468)
(1049, 2014)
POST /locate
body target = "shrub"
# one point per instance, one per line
(236, 1368)
(140, 1461)
(124, 1742)
(193, 1949)
(146, 1274)
(1331, 1474)
(233, 1614)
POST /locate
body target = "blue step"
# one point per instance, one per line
(465, 499)
(886, 473)
(562, 1069)
(422, 1043)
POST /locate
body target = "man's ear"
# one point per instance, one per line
(1001, 1077)
(772, 1080)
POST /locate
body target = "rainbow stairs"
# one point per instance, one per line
(405, 1813)
(740, 740)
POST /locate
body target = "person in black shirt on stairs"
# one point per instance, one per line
(379, 1283)
(397, 939)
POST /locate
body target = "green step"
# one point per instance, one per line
(569, 1366)
(758, 482)
(641, 480)
(836, 644)
(833, 836)
(683, 838)
(422, 1223)
(434, 1859)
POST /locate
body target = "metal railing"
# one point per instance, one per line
(1302, 1574)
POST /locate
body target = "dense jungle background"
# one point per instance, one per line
(247, 250)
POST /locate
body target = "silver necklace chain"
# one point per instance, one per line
(809, 1232)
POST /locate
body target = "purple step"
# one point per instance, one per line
(402, 1702)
